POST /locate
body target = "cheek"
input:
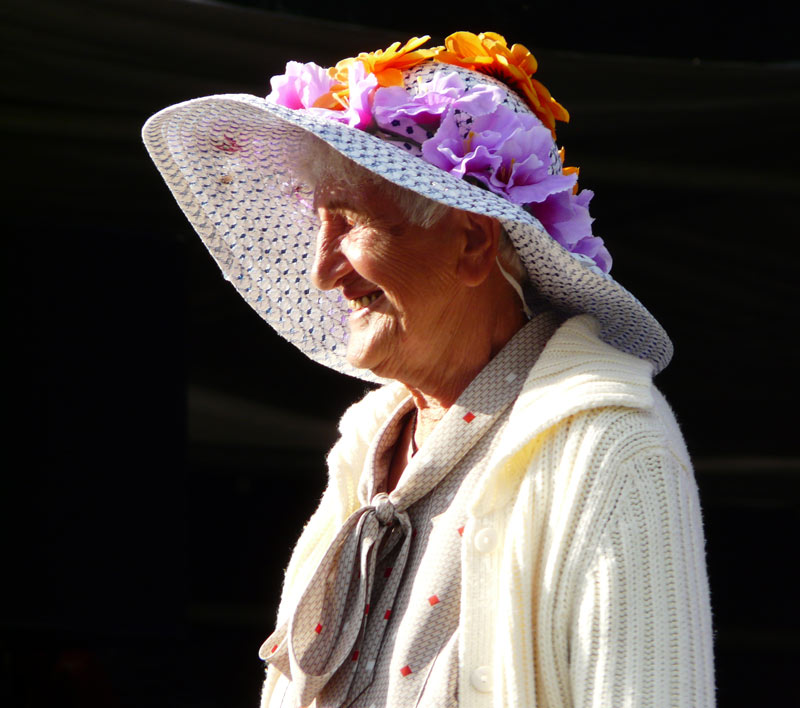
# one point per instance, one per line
(379, 335)
(421, 273)
(402, 265)
(367, 254)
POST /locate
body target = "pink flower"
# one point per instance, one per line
(300, 86)
(361, 88)
(304, 84)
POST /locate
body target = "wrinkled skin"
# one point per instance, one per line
(442, 309)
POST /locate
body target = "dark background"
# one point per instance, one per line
(164, 447)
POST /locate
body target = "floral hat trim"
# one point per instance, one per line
(468, 129)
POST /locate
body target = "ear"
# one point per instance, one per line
(481, 236)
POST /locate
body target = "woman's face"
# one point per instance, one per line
(400, 280)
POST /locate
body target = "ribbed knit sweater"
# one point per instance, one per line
(595, 592)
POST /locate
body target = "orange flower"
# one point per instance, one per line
(489, 54)
(386, 64)
(569, 170)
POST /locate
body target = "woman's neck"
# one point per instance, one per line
(488, 326)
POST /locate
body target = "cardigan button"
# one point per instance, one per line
(486, 540)
(481, 679)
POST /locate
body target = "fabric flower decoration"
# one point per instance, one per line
(508, 152)
(488, 53)
(388, 64)
(361, 86)
(308, 86)
(566, 218)
(417, 118)
(302, 86)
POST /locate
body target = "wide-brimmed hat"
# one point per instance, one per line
(230, 162)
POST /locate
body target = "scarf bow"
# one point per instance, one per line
(319, 646)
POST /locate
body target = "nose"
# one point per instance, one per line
(330, 264)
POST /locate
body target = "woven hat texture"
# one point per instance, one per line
(228, 161)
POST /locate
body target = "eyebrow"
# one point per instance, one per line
(339, 203)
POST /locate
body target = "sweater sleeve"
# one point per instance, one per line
(640, 632)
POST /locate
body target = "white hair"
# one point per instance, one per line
(316, 163)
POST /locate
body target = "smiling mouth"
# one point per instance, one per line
(361, 302)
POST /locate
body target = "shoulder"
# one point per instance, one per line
(579, 376)
(619, 433)
(586, 410)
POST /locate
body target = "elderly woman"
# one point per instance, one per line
(511, 518)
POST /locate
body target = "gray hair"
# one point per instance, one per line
(317, 163)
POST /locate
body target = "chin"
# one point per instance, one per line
(382, 366)
(362, 358)
(371, 350)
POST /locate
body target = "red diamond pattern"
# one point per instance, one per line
(274, 649)
(433, 600)
(355, 655)
(387, 614)
(366, 609)
(406, 670)
(469, 417)
(387, 572)
(318, 628)
(460, 530)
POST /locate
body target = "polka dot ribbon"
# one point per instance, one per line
(320, 638)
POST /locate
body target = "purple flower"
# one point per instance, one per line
(413, 120)
(416, 118)
(509, 152)
(594, 248)
(512, 154)
(300, 86)
(427, 107)
(566, 217)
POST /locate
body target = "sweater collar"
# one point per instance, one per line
(576, 372)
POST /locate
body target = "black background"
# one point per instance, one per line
(164, 446)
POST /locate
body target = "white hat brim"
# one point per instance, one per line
(228, 161)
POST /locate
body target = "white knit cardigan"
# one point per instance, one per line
(593, 589)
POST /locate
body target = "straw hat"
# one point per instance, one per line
(230, 162)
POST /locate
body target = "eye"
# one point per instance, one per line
(332, 221)
(348, 221)
(340, 222)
